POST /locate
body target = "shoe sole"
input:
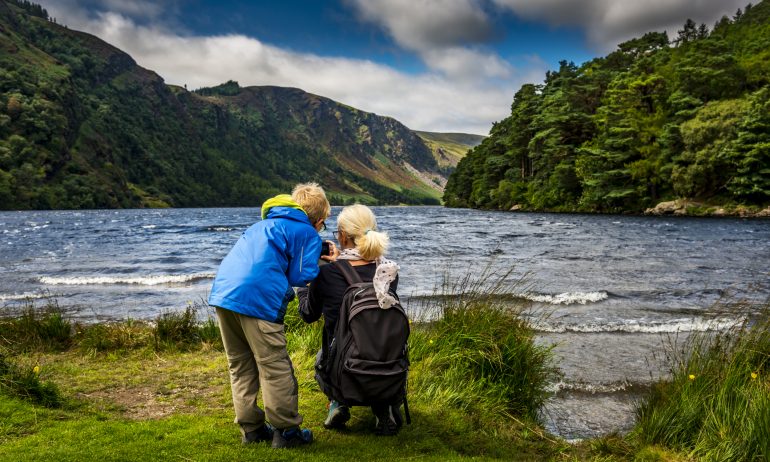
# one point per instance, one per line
(338, 420)
(284, 444)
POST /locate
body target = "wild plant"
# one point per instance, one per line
(478, 352)
(25, 383)
(176, 328)
(716, 404)
(113, 336)
(36, 328)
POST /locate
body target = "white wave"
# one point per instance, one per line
(150, 280)
(24, 296)
(567, 298)
(219, 228)
(588, 387)
(149, 226)
(663, 327)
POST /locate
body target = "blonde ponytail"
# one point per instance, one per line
(359, 223)
(372, 245)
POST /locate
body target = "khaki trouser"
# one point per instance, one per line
(257, 356)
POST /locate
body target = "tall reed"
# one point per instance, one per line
(716, 405)
(183, 329)
(478, 353)
(37, 328)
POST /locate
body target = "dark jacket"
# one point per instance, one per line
(324, 296)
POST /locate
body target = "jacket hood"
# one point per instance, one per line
(282, 201)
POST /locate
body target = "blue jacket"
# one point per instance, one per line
(271, 257)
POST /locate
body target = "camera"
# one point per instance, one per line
(326, 248)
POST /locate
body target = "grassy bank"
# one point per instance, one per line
(137, 391)
(158, 391)
(716, 406)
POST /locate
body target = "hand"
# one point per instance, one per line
(334, 253)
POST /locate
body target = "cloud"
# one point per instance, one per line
(609, 22)
(465, 95)
(446, 34)
(466, 64)
(134, 8)
(422, 25)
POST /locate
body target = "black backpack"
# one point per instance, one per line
(367, 362)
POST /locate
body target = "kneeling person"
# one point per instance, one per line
(383, 323)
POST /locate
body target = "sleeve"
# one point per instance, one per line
(303, 266)
(311, 300)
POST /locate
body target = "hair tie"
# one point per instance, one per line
(366, 232)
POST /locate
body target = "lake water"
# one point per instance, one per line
(615, 288)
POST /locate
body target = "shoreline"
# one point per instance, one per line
(677, 208)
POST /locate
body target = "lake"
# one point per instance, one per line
(615, 289)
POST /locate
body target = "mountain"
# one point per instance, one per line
(378, 151)
(83, 126)
(449, 148)
(685, 121)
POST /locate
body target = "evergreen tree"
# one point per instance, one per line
(703, 31)
(751, 152)
(645, 123)
(688, 33)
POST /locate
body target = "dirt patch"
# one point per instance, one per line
(147, 402)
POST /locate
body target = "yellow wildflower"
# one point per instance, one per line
(692, 376)
(430, 341)
(36, 369)
(754, 376)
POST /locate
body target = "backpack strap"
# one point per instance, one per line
(351, 275)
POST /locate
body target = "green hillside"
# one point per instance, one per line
(449, 148)
(83, 126)
(654, 120)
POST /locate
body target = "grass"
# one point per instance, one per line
(160, 390)
(24, 383)
(716, 405)
(136, 391)
(43, 328)
(478, 354)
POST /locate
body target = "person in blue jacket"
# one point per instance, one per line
(251, 291)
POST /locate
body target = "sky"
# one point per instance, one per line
(434, 65)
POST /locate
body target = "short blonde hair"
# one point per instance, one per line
(312, 199)
(359, 223)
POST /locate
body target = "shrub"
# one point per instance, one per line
(38, 328)
(301, 336)
(182, 328)
(125, 335)
(479, 354)
(176, 327)
(208, 332)
(26, 384)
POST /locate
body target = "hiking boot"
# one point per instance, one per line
(291, 437)
(387, 420)
(263, 433)
(338, 415)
